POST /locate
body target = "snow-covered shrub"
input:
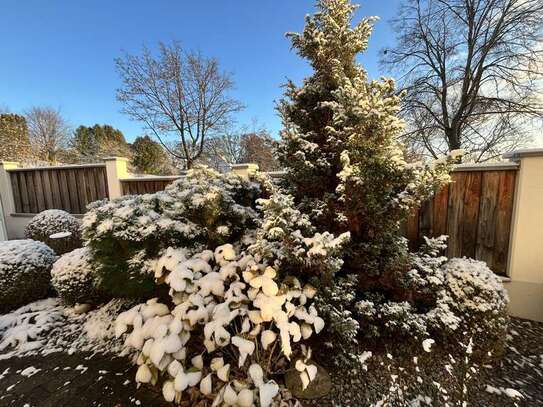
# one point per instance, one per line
(477, 297)
(203, 209)
(233, 326)
(57, 229)
(287, 239)
(74, 277)
(25, 267)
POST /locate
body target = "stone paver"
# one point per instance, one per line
(76, 380)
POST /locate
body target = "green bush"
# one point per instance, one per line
(204, 209)
(74, 278)
(24, 272)
(57, 229)
(476, 296)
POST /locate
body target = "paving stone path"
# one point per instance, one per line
(77, 380)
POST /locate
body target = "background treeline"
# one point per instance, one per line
(42, 136)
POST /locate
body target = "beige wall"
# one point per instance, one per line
(526, 247)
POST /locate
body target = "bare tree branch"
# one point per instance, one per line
(471, 72)
(176, 94)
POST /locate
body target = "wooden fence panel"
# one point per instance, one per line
(475, 211)
(144, 186)
(70, 188)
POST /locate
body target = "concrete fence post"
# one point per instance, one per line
(525, 263)
(6, 197)
(244, 170)
(116, 169)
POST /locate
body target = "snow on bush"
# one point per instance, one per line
(24, 272)
(74, 277)
(477, 297)
(234, 324)
(203, 209)
(57, 229)
(47, 326)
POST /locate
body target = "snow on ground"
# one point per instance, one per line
(47, 326)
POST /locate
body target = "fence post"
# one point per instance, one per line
(244, 170)
(526, 255)
(116, 169)
(6, 197)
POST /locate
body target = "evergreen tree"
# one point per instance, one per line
(149, 157)
(14, 141)
(99, 141)
(343, 164)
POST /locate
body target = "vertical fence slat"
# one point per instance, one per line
(38, 188)
(47, 189)
(486, 226)
(503, 220)
(21, 180)
(16, 192)
(472, 196)
(64, 192)
(454, 211)
(441, 200)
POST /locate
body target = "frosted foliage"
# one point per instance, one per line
(179, 211)
(203, 209)
(56, 228)
(476, 295)
(73, 277)
(287, 237)
(24, 271)
(232, 320)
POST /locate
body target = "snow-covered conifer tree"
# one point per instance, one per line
(344, 166)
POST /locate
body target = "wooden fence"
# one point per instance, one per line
(70, 188)
(475, 211)
(145, 185)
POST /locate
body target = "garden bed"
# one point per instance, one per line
(64, 359)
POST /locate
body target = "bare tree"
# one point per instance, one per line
(176, 93)
(48, 132)
(247, 144)
(471, 71)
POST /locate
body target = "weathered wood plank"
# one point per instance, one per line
(455, 210)
(426, 215)
(38, 188)
(47, 193)
(504, 215)
(55, 189)
(470, 213)
(486, 226)
(439, 216)
(81, 190)
(73, 191)
(31, 189)
(25, 201)
(64, 191)
(16, 192)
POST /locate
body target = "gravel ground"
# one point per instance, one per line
(85, 379)
(520, 369)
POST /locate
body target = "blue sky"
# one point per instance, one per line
(61, 53)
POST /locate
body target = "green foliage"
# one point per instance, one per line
(343, 164)
(25, 267)
(98, 141)
(204, 209)
(347, 173)
(149, 157)
(14, 141)
(57, 229)
(74, 278)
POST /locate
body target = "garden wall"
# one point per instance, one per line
(490, 212)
